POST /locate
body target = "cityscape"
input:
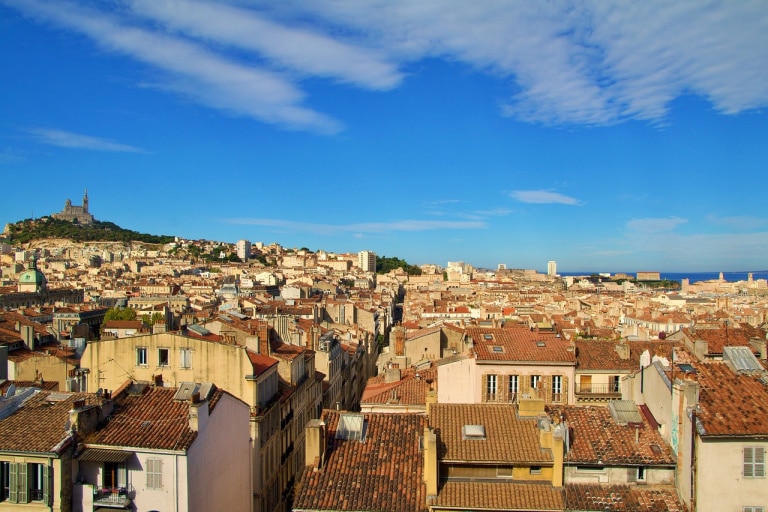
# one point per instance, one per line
(335, 256)
(204, 375)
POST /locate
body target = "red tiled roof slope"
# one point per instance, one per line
(152, 420)
(622, 498)
(507, 438)
(383, 473)
(505, 496)
(520, 344)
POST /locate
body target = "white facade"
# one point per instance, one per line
(366, 260)
(243, 249)
(552, 268)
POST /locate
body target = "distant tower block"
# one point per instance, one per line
(552, 268)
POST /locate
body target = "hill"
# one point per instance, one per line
(47, 227)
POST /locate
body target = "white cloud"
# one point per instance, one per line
(197, 72)
(542, 197)
(361, 228)
(65, 139)
(585, 62)
(738, 222)
(300, 49)
(654, 225)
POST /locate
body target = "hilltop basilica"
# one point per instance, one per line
(77, 214)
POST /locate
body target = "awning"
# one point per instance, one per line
(99, 455)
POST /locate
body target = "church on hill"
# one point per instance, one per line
(78, 214)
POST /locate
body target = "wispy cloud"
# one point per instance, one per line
(300, 49)
(193, 70)
(543, 197)
(738, 222)
(585, 62)
(654, 225)
(65, 139)
(361, 228)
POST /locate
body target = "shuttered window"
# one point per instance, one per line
(754, 462)
(154, 474)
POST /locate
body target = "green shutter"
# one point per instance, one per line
(23, 476)
(13, 491)
(47, 484)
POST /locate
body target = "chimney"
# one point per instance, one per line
(400, 341)
(198, 413)
(263, 333)
(314, 440)
(558, 451)
(430, 461)
(3, 363)
(431, 398)
(623, 350)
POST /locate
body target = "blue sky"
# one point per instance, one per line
(608, 136)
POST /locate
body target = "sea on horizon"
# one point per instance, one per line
(694, 277)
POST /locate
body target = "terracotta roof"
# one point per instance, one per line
(520, 344)
(151, 420)
(723, 337)
(622, 498)
(383, 473)
(507, 438)
(261, 363)
(499, 496)
(408, 390)
(596, 438)
(731, 404)
(601, 355)
(40, 425)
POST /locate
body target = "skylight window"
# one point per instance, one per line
(473, 432)
(488, 337)
(351, 427)
(497, 348)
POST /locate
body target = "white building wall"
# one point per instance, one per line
(219, 467)
(719, 484)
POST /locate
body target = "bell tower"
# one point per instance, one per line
(85, 201)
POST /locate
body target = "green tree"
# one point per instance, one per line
(119, 314)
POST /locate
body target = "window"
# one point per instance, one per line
(185, 358)
(535, 470)
(753, 509)
(557, 388)
(754, 462)
(36, 479)
(615, 384)
(141, 356)
(491, 387)
(641, 474)
(27, 482)
(5, 481)
(535, 380)
(503, 471)
(154, 474)
(162, 357)
(513, 387)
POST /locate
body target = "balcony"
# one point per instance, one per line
(598, 391)
(113, 498)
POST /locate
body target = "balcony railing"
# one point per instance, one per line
(597, 389)
(114, 498)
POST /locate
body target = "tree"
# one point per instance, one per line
(119, 314)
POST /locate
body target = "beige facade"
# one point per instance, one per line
(248, 370)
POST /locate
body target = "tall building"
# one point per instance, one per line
(552, 268)
(366, 260)
(243, 249)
